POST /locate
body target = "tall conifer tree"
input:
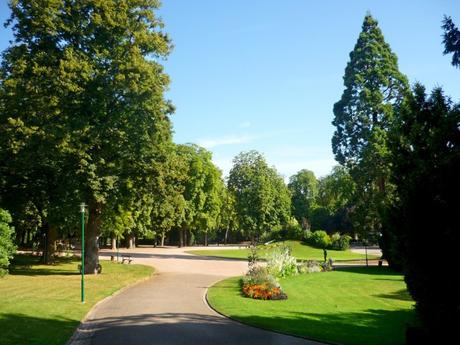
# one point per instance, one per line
(374, 88)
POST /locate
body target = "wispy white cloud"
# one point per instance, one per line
(245, 124)
(226, 140)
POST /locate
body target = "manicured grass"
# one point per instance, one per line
(299, 250)
(41, 304)
(358, 306)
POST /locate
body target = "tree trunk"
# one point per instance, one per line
(131, 242)
(49, 243)
(181, 238)
(162, 243)
(226, 236)
(185, 238)
(206, 239)
(114, 243)
(91, 239)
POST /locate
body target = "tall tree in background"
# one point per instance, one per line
(451, 40)
(83, 79)
(202, 193)
(262, 200)
(304, 189)
(374, 88)
(335, 202)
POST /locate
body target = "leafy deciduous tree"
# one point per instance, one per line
(262, 200)
(304, 189)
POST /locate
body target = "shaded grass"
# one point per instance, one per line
(40, 304)
(354, 306)
(299, 250)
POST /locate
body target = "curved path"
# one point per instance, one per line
(170, 309)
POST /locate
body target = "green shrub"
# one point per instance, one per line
(340, 242)
(319, 239)
(7, 248)
(280, 262)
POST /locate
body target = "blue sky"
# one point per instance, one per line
(264, 74)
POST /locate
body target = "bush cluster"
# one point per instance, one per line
(280, 262)
(7, 248)
(320, 239)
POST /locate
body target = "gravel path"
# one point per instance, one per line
(170, 308)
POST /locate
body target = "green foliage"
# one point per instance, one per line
(262, 200)
(7, 248)
(451, 40)
(203, 190)
(319, 239)
(280, 262)
(426, 166)
(97, 119)
(340, 242)
(304, 189)
(374, 89)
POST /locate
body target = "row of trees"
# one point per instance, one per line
(401, 148)
(83, 117)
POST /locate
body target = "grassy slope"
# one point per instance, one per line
(299, 250)
(356, 306)
(41, 304)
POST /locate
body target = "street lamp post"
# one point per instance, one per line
(82, 210)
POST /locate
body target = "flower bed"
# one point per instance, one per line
(263, 291)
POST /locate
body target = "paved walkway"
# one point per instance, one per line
(170, 309)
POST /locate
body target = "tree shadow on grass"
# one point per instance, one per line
(401, 295)
(377, 327)
(29, 265)
(24, 329)
(371, 270)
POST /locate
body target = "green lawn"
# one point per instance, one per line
(358, 306)
(300, 250)
(41, 304)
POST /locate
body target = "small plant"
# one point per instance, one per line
(253, 257)
(309, 266)
(280, 262)
(340, 242)
(327, 266)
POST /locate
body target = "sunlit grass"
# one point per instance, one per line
(299, 250)
(358, 306)
(40, 304)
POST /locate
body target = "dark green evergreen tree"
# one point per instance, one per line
(374, 88)
(425, 144)
(451, 40)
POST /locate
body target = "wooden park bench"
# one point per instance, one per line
(126, 257)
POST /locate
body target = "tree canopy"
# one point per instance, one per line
(82, 87)
(304, 189)
(262, 200)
